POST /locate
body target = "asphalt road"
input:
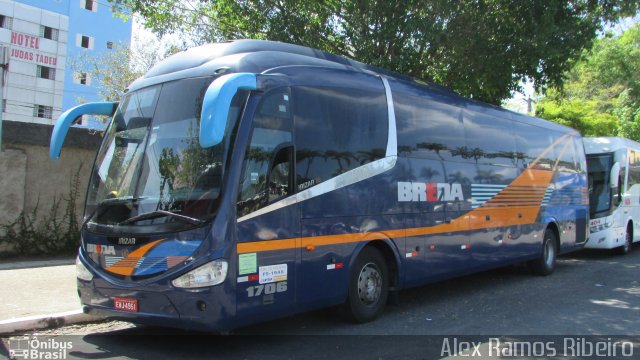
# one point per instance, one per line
(589, 293)
(592, 294)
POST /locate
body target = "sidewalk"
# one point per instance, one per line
(39, 294)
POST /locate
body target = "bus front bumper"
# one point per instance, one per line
(606, 239)
(198, 309)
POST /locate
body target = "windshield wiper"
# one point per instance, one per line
(124, 199)
(107, 203)
(161, 213)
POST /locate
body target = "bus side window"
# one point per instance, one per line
(634, 169)
(427, 128)
(489, 139)
(581, 160)
(280, 175)
(566, 154)
(337, 130)
(534, 143)
(266, 175)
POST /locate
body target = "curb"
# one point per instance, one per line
(46, 321)
(35, 264)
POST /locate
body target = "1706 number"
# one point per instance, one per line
(267, 289)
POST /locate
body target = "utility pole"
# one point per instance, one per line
(530, 102)
(3, 68)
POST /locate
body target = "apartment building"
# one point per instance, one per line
(42, 37)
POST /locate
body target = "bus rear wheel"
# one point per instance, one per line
(368, 287)
(546, 263)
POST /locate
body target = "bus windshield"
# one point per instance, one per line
(151, 175)
(599, 167)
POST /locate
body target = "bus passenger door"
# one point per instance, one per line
(267, 214)
(341, 130)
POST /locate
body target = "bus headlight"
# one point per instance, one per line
(209, 274)
(82, 272)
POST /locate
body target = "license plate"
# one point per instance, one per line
(125, 304)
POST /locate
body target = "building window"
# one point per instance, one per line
(84, 41)
(43, 111)
(46, 72)
(49, 33)
(80, 120)
(109, 44)
(6, 22)
(82, 78)
(90, 5)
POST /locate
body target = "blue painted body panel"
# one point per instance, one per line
(319, 238)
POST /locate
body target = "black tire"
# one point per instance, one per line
(546, 263)
(626, 247)
(368, 287)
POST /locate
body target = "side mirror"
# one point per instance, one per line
(615, 174)
(68, 117)
(615, 182)
(217, 103)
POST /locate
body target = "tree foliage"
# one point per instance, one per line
(114, 70)
(479, 48)
(601, 96)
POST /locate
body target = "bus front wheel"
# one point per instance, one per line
(368, 286)
(546, 263)
(626, 247)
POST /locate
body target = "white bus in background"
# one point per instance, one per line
(614, 192)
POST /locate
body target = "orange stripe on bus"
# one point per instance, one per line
(127, 265)
(474, 220)
(267, 245)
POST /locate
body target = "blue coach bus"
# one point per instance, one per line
(244, 181)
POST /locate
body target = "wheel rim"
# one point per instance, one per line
(369, 284)
(549, 253)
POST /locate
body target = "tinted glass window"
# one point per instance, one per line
(599, 167)
(566, 154)
(489, 139)
(337, 130)
(428, 129)
(634, 168)
(151, 160)
(581, 164)
(267, 163)
(534, 143)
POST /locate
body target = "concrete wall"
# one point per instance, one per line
(29, 177)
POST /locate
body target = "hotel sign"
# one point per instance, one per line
(26, 48)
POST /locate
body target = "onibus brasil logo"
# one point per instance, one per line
(28, 347)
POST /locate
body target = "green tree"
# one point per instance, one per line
(584, 115)
(616, 63)
(114, 70)
(479, 48)
(601, 96)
